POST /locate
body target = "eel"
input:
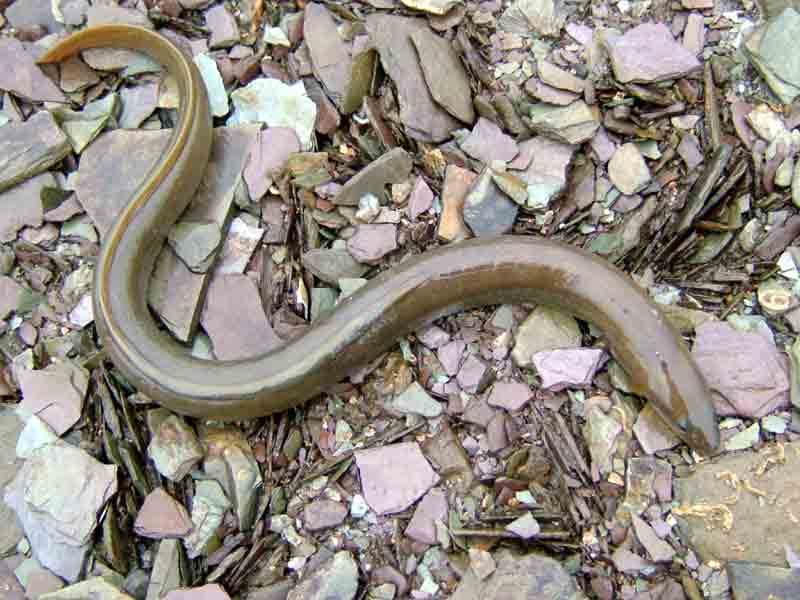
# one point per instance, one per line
(468, 274)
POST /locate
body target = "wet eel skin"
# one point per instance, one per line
(476, 272)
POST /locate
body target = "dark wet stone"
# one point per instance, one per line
(393, 167)
(487, 210)
(445, 74)
(29, 148)
(423, 118)
(754, 581)
(331, 265)
(520, 577)
(648, 53)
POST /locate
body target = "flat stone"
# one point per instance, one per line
(568, 367)
(451, 355)
(101, 588)
(76, 75)
(335, 579)
(545, 17)
(57, 495)
(196, 244)
(559, 78)
(689, 150)
(747, 375)
(138, 103)
(445, 74)
(473, 374)
(457, 182)
(422, 117)
(546, 173)
(55, 394)
(573, 124)
(166, 574)
(331, 265)
(487, 142)
(26, 78)
(544, 329)
(223, 27)
(237, 332)
(29, 148)
(627, 169)
(520, 577)
(478, 412)
(395, 476)
(648, 53)
(109, 14)
(10, 428)
(208, 509)
(215, 88)
(161, 516)
(487, 210)
(766, 46)
(330, 55)
(323, 514)
(420, 200)
(433, 7)
(268, 157)
(753, 581)
(371, 242)
(21, 206)
(548, 94)
(40, 582)
(433, 507)
(241, 242)
(652, 433)
(755, 526)
(175, 292)
(694, 33)
(510, 395)
(415, 400)
(628, 562)
(393, 167)
(174, 448)
(30, 13)
(448, 454)
(657, 549)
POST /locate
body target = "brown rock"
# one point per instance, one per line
(755, 526)
(29, 148)
(223, 26)
(331, 265)
(76, 75)
(161, 516)
(568, 367)
(22, 14)
(445, 74)
(487, 142)
(372, 242)
(138, 103)
(267, 158)
(510, 395)
(210, 591)
(559, 78)
(329, 53)
(239, 331)
(10, 296)
(55, 394)
(25, 78)
(433, 507)
(328, 118)
(457, 182)
(545, 93)
(323, 514)
(424, 120)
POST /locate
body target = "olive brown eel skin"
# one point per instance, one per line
(472, 273)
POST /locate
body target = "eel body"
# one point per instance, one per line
(477, 272)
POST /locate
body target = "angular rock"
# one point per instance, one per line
(546, 173)
(167, 573)
(658, 549)
(420, 200)
(21, 206)
(268, 158)
(510, 395)
(754, 526)
(559, 78)
(25, 79)
(161, 516)
(57, 495)
(393, 167)
(174, 448)
(487, 143)
(323, 514)
(223, 27)
(33, 13)
(237, 250)
(520, 577)
(237, 332)
(752, 581)
(415, 400)
(433, 507)
(487, 210)
(138, 103)
(627, 169)
(371, 242)
(335, 579)
(747, 375)
(549, 95)
(10, 428)
(102, 588)
(55, 394)
(457, 182)
(330, 55)
(652, 433)
(648, 53)
(394, 476)
(208, 508)
(29, 148)
(445, 74)
(210, 591)
(573, 124)
(473, 374)
(766, 47)
(331, 265)
(545, 17)
(423, 118)
(569, 367)
(217, 95)
(544, 329)
(433, 7)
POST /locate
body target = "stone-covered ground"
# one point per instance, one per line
(499, 452)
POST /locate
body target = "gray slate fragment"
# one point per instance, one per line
(27, 13)
(520, 577)
(331, 265)
(487, 210)
(10, 428)
(573, 124)
(754, 581)
(393, 167)
(329, 53)
(445, 74)
(21, 206)
(767, 49)
(391, 35)
(335, 579)
(29, 148)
